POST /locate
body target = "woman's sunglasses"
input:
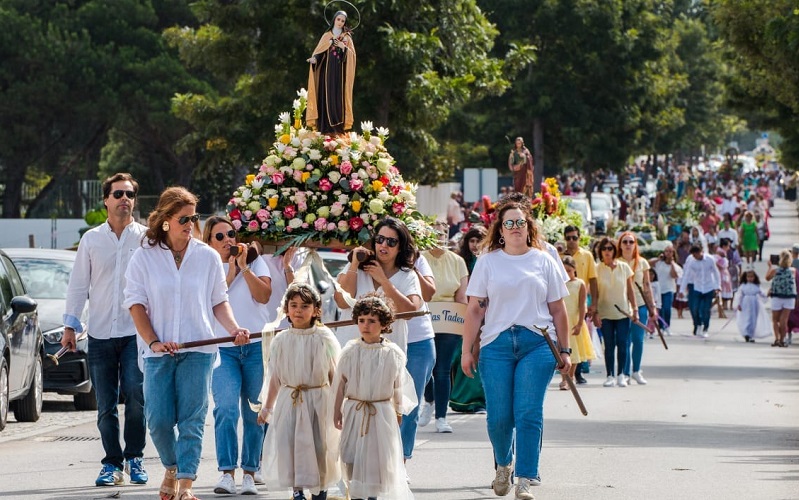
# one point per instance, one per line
(391, 242)
(520, 223)
(119, 192)
(628, 242)
(608, 249)
(221, 236)
(186, 218)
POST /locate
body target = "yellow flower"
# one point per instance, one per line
(356, 205)
(297, 124)
(334, 159)
(249, 180)
(305, 176)
(285, 138)
(273, 202)
(377, 186)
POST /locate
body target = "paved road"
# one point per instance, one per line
(718, 420)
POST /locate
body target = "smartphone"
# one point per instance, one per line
(775, 259)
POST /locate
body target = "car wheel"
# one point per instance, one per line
(85, 401)
(29, 408)
(3, 393)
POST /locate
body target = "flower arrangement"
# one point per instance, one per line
(325, 190)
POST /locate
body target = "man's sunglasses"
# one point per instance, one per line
(572, 238)
(221, 236)
(520, 223)
(119, 192)
(186, 218)
(391, 242)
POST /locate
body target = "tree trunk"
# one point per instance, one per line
(538, 154)
(12, 195)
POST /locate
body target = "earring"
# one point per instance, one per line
(529, 240)
(165, 226)
(501, 240)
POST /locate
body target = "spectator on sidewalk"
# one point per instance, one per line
(99, 270)
(702, 274)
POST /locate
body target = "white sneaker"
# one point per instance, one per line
(704, 334)
(621, 381)
(610, 382)
(425, 414)
(248, 486)
(523, 489)
(668, 332)
(258, 477)
(442, 426)
(501, 483)
(226, 485)
(638, 377)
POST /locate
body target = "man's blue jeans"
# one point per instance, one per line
(704, 302)
(667, 300)
(636, 341)
(693, 306)
(235, 382)
(440, 386)
(421, 359)
(616, 339)
(516, 369)
(176, 392)
(113, 366)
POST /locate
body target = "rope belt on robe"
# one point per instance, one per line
(296, 394)
(369, 411)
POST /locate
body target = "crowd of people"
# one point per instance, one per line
(343, 408)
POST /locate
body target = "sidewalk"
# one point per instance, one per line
(719, 419)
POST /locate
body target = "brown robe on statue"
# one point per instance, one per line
(522, 172)
(330, 82)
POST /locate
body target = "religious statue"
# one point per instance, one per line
(520, 162)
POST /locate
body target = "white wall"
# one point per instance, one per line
(47, 233)
(432, 200)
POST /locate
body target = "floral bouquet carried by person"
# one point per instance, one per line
(321, 190)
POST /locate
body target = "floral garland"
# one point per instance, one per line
(325, 189)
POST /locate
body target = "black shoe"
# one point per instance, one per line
(321, 496)
(748, 338)
(298, 495)
(580, 379)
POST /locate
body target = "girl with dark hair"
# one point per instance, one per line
(470, 245)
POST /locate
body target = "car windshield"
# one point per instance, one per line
(45, 278)
(334, 266)
(600, 204)
(578, 205)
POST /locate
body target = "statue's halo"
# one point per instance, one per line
(350, 8)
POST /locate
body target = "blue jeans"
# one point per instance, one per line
(704, 302)
(235, 382)
(693, 305)
(176, 402)
(636, 339)
(516, 369)
(421, 358)
(615, 337)
(113, 366)
(440, 386)
(667, 300)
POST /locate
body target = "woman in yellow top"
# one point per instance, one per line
(582, 348)
(331, 78)
(640, 267)
(616, 300)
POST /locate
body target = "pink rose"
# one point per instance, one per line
(342, 226)
(320, 224)
(289, 212)
(298, 175)
(262, 215)
(305, 225)
(398, 208)
(264, 225)
(346, 167)
(252, 225)
(236, 224)
(325, 184)
(248, 214)
(356, 184)
(277, 178)
(331, 226)
(302, 206)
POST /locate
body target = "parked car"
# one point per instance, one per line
(334, 263)
(21, 348)
(580, 205)
(45, 274)
(602, 208)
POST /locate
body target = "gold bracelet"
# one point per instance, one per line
(246, 270)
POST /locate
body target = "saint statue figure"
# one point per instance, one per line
(331, 78)
(520, 163)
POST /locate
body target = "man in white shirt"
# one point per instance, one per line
(99, 271)
(728, 232)
(703, 275)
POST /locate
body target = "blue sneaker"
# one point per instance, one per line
(110, 476)
(135, 469)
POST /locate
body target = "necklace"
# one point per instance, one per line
(178, 255)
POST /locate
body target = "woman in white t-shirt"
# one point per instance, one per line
(240, 374)
(668, 272)
(515, 288)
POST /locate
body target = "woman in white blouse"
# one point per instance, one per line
(175, 288)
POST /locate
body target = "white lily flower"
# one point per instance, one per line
(366, 126)
(296, 104)
(302, 93)
(382, 131)
(285, 117)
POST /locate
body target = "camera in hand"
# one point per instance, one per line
(363, 258)
(252, 253)
(774, 259)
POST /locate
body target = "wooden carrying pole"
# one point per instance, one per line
(257, 335)
(559, 363)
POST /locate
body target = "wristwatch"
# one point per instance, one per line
(567, 350)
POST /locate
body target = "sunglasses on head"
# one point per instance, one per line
(186, 218)
(221, 236)
(119, 192)
(572, 238)
(391, 242)
(508, 224)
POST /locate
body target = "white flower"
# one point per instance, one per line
(295, 223)
(365, 217)
(296, 104)
(306, 143)
(254, 205)
(272, 161)
(354, 138)
(383, 195)
(334, 176)
(287, 170)
(362, 173)
(270, 193)
(356, 155)
(382, 132)
(407, 195)
(258, 182)
(302, 93)
(278, 129)
(383, 165)
(343, 199)
(367, 126)
(315, 155)
(246, 194)
(285, 117)
(375, 140)
(280, 148)
(295, 141)
(298, 164)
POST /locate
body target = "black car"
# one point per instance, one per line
(21, 347)
(45, 274)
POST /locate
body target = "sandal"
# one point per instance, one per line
(169, 486)
(564, 386)
(187, 495)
